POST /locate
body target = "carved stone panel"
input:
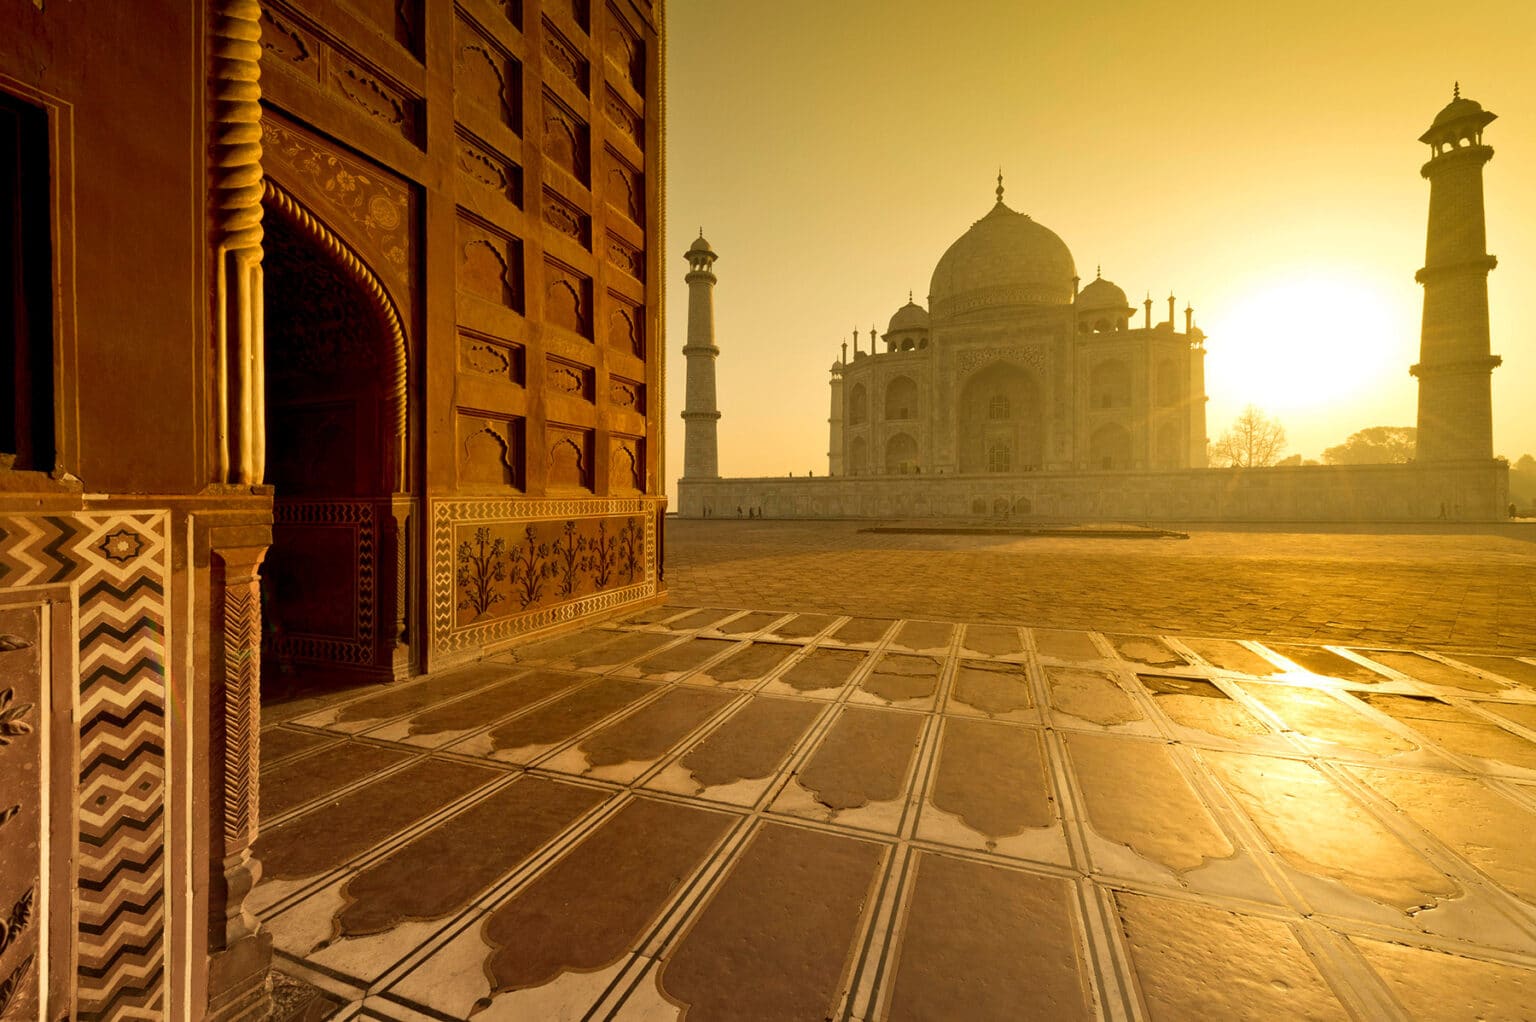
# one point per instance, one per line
(512, 10)
(490, 262)
(624, 187)
(570, 457)
(503, 569)
(295, 43)
(490, 449)
(626, 325)
(626, 395)
(630, 124)
(625, 256)
(488, 167)
(565, 58)
(401, 20)
(322, 572)
(626, 464)
(567, 218)
(373, 209)
(625, 50)
(567, 139)
(569, 378)
(515, 566)
(483, 355)
(23, 816)
(579, 11)
(485, 76)
(287, 45)
(567, 297)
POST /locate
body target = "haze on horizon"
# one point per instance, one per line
(1259, 164)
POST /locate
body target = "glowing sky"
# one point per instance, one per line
(1259, 161)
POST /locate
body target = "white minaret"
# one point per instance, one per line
(701, 452)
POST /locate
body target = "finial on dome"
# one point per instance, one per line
(1098, 272)
(1456, 91)
(909, 296)
(999, 185)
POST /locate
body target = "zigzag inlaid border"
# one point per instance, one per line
(120, 565)
(448, 513)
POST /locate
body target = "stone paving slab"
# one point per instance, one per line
(890, 817)
(1471, 587)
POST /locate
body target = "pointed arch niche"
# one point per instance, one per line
(338, 579)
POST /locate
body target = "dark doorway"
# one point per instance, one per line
(26, 288)
(331, 598)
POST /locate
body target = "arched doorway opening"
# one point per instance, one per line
(336, 581)
(1110, 448)
(1000, 421)
(900, 455)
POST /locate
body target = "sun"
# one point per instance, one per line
(1310, 340)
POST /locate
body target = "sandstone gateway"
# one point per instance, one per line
(337, 356)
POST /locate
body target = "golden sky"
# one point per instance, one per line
(1260, 162)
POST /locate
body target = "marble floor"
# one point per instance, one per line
(720, 813)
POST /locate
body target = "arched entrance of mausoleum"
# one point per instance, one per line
(335, 583)
(1001, 425)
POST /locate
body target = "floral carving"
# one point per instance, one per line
(603, 556)
(12, 985)
(482, 566)
(568, 550)
(12, 926)
(531, 568)
(631, 538)
(378, 207)
(13, 722)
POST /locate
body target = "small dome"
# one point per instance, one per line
(1461, 118)
(910, 316)
(1102, 294)
(1457, 109)
(1004, 259)
(700, 245)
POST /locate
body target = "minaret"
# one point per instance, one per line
(835, 420)
(1455, 368)
(701, 459)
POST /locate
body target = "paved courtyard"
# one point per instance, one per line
(1453, 588)
(763, 810)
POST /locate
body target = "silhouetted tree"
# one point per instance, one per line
(1379, 445)
(1522, 481)
(1254, 441)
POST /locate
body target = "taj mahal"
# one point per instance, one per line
(1019, 392)
(1012, 368)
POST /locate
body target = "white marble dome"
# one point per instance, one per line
(1005, 259)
